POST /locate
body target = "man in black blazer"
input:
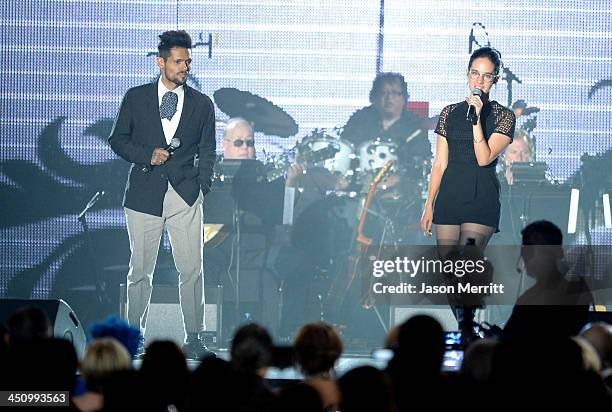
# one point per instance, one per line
(167, 182)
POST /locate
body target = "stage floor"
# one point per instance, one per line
(378, 358)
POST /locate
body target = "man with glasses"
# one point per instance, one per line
(388, 119)
(261, 206)
(239, 144)
(238, 141)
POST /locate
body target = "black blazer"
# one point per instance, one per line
(138, 131)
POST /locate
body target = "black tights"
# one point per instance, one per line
(448, 237)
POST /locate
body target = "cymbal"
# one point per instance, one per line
(264, 115)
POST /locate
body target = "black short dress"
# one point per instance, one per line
(470, 193)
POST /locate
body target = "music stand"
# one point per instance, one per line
(525, 203)
(242, 184)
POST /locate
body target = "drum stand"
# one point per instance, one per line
(388, 225)
(236, 247)
(524, 216)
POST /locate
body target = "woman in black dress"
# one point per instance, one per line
(463, 200)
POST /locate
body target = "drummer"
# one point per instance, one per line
(388, 119)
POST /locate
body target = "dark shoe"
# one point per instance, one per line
(196, 350)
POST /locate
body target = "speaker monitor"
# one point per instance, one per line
(64, 321)
(165, 321)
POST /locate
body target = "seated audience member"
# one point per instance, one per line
(250, 357)
(553, 305)
(477, 360)
(251, 349)
(415, 369)
(164, 369)
(545, 372)
(365, 388)
(126, 390)
(318, 346)
(102, 357)
(3, 343)
(29, 323)
(40, 364)
(117, 328)
(392, 337)
(419, 350)
(211, 387)
(300, 397)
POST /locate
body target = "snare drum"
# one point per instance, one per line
(340, 163)
(374, 154)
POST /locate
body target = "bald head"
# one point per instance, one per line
(238, 140)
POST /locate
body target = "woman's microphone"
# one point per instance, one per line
(471, 113)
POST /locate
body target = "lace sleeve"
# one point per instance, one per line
(441, 127)
(505, 121)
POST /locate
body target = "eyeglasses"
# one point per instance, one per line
(392, 93)
(475, 74)
(248, 142)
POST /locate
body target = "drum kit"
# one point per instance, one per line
(358, 163)
(337, 181)
(352, 165)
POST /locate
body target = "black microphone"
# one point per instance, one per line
(471, 113)
(175, 143)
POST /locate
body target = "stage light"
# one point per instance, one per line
(573, 212)
(606, 207)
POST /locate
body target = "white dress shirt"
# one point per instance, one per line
(171, 125)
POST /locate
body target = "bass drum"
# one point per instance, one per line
(340, 164)
(325, 231)
(374, 154)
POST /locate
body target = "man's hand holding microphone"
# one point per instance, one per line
(161, 155)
